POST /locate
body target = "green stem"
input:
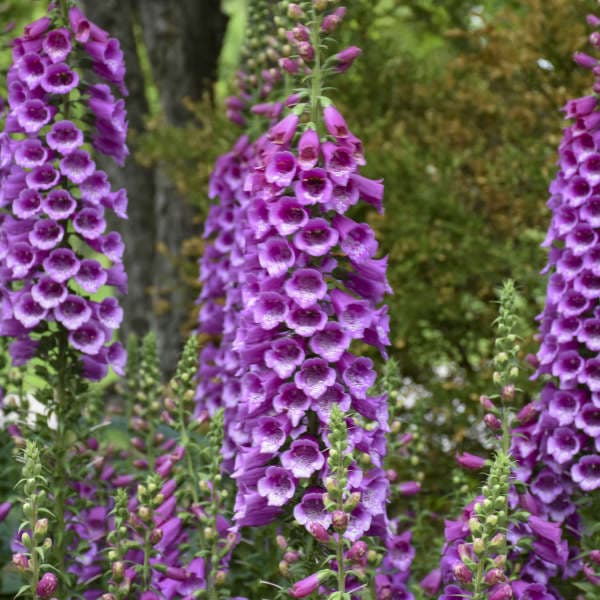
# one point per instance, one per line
(185, 442)
(214, 551)
(64, 10)
(478, 580)
(34, 559)
(146, 567)
(60, 479)
(316, 75)
(340, 561)
(341, 573)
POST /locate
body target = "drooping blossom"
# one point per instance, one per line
(55, 249)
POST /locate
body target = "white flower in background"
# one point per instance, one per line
(9, 415)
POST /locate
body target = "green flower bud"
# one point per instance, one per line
(478, 546)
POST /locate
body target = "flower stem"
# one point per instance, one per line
(315, 92)
(34, 559)
(60, 479)
(185, 442)
(341, 574)
(146, 567)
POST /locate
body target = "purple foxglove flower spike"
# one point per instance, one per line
(50, 182)
(555, 445)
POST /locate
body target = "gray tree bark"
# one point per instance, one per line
(139, 231)
(183, 39)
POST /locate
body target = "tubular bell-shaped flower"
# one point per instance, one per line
(55, 252)
(557, 449)
(292, 285)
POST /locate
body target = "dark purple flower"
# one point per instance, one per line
(277, 486)
(586, 473)
(303, 458)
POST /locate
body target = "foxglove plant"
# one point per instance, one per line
(221, 262)
(55, 250)
(168, 538)
(557, 444)
(54, 229)
(41, 581)
(307, 284)
(474, 557)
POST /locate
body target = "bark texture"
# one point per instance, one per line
(139, 231)
(183, 39)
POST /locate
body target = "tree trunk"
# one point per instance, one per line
(139, 231)
(183, 40)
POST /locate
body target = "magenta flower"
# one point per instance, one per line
(303, 458)
(277, 486)
(586, 473)
(53, 193)
(305, 587)
(470, 461)
(47, 585)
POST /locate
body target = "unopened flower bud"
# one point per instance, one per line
(508, 392)
(474, 525)
(331, 483)
(291, 557)
(339, 520)
(145, 514)
(492, 520)
(294, 11)
(492, 421)
(156, 536)
(595, 556)
(220, 577)
(358, 551)
(527, 413)
(47, 585)
(478, 546)
(319, 532)
(352, 501)
(500, 561)
(20, 561)
(306, 51)
(486, 402)
(391, 475)
(284, 568)
(497, 540)
(138, 443)
(40, 528)
(118, 571)
(462, 573)
(494, 576)
(281, 542)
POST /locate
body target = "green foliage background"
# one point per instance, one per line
(457, 103)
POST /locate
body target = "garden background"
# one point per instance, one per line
(458, 104)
